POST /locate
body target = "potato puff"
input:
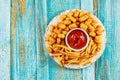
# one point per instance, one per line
(67, 28)
(62, 36)
(51, 40)
(47, 37)
(98, 39)
(73, 25)
(49, 49)
(81, 13)
(99, 28)
(64, 32)
(76, 13)
(61, 26)
(83, 18)
(91, 28)
(83, 26)
(88, 21)
(89, 14)
(99, 46)
(72, 19)
(57, 30)
(70, 13)
(62, 17)
(58, 40)
(92, 34)
(67, 22)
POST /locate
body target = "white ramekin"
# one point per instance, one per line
(84, 33)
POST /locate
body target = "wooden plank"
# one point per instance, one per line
(89, 72)
(55, 71)
(107, 68)
(5, 40)
(23, 40)
(41, 24)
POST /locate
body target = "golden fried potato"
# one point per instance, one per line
(72, 19)
(62, 36)
(49, 49)
(83, 26)
(76, 13)
(73, 25)
(52, 40)
(92, 34)
(47, 37)
(51, 28)
(91, 28)
(64, 32)
(83, 18)
(58, 40)
(67, 22)
(99, 28)
(87, 22)
(61, 25)
(98, 39)
(62, 17)
(82, 13)
(70, 13)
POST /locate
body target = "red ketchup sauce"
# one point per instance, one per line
(77, 39)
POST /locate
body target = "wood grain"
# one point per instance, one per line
(29, 59)
(23, 45)
(4, 40)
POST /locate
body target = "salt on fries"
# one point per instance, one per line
(56, 38)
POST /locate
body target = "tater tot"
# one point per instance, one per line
(62, 17)
(83, 18)
(49, 49)
(57, 31)
(64, 32)
(66, 29)
(73, 25)
(89, 14)
(82, 13)
(91, 28)
(51, 28)
(72, 19)
(87, 22)
(98, 39)
(76, 13)
(51, 40)
(99, 32)
(47, 37)
(92, 34)
(77, 23)
(99, 28)
(62, 36)
(98, 47)
(67, 22)
(61, 25)
(58, 40)
(70, 13)
(83, 26)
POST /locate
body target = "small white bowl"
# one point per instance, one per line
(84, 33)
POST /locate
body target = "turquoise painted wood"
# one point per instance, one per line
(22, 50)
(4, 40)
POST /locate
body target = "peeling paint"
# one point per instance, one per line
(22, 4)
(13, 20)
(95, 4)
(22, 52)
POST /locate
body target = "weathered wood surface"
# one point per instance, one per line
(23, 39)
(4, 39)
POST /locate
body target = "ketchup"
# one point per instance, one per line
(77, 39)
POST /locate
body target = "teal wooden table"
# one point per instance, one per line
(22, 50)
